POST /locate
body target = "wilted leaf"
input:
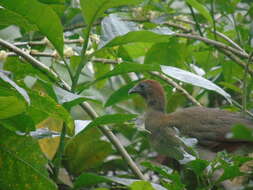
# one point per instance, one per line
(21, 156)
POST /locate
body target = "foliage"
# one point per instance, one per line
(74, 61)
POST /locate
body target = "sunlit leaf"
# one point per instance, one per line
(39, 14)
(21, 156)
(191, 78)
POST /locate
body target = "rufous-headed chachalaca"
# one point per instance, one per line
(209, 126)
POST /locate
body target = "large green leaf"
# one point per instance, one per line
(166, 53)
(21, 69)
(85, 151)
(92, 10)
(40, 15)
(10, 106)
(23, 166)
(21, 122)
(140, 36)
(11, 18)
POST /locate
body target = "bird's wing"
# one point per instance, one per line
(167, 142)
(209, 126)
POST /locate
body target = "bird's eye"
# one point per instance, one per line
(142, 86)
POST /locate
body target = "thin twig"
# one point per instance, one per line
(235, 45)
(45, 42)
(86, 107)
(195, 19)
(236, 59)
(214, 43)
(246, 71)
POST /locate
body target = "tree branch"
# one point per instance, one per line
(86, 106)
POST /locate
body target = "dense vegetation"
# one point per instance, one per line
(67, 121)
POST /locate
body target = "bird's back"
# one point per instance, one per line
(209, 125)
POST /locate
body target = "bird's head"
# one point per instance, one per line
(152, 92)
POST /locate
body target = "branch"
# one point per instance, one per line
(213, 43)
(46, 42)
(223, 36)
(86, 106)
(178, 87)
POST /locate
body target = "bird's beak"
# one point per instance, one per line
(135, 89)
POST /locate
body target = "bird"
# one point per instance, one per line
(208, 126)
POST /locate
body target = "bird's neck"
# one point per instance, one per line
(156, 104)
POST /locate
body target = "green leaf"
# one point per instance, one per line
(201, 9)
(120, 94)
(188, 77)
(92, 10)
(166, 53)
(43, 106)
(230, 172)
(158, 36)
(40, 15)
(68, 99)
(89, 179)
(141, 185)
(23, 166)
(10, 106)
(242, 132)
(198, 166)
(21, 122)
(128, 182)
(110, 119)
(85, 151)
(129, 67)
(21, 69)
(8, 82)
(11, 18)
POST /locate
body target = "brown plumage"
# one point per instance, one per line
(209, 126)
